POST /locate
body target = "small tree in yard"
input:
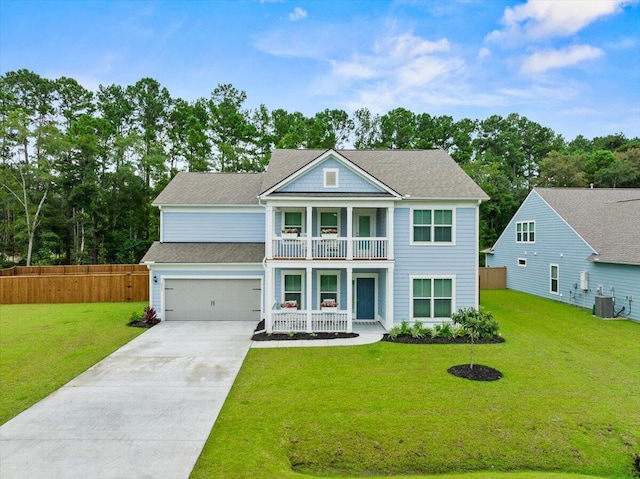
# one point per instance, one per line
(478, 323)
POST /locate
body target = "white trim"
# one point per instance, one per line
(524, 262)
(325, 174)
(357, 276)
(432, 277)
(326, 272)
(433, 208)
(303, 288)
(329, 202)
(476, 283)
(551, 278)
(330, 264)
(340, 159)
(390, 298)
(207, 277)
(161, 226)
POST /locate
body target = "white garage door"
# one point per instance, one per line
(212, 299)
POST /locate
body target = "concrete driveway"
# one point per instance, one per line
(143, 412)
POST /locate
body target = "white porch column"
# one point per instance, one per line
(349, 232)
(390, 232)
(309, 300)
(269, 232)
(350, 299)
(269, 284)
(309, 231)
(389, 292)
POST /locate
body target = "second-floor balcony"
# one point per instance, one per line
(330, 248)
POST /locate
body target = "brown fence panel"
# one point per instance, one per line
(74, 288)
(493, 278)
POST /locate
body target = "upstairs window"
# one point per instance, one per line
(432, 226)
(292, 222)
(329, 222)
(331, 177)
(526, 232)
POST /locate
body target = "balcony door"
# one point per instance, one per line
(364, 228)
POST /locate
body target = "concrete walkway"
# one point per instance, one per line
(143, 412)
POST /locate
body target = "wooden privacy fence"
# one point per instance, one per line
(74, 284)
(493, 278)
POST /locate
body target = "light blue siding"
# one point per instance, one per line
(348, 180)
(156, 288)
(435, 260)
(204, 227)
(557, 243)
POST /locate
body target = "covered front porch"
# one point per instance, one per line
(329, 298)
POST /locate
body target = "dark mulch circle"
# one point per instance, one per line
(140, 324)
(408, 339)
(261, 335)
(478, 373)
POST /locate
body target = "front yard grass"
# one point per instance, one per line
(43, 346)
(568, 405)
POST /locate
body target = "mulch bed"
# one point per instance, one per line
(263, 336)
(408, 339)
(140, 324)
(477, 373)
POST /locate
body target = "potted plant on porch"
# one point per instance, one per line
(290, 233)
(329, 233)
(329, 305)
(289, 305)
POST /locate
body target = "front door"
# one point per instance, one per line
(365, 298)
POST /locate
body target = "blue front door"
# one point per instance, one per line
(365, 298)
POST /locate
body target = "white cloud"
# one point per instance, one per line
(539, 19)
(297, 14)
(548, 59)
(484, 52)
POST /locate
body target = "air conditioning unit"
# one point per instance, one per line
(584, 280)
(604, 307)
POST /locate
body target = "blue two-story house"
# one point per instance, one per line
(322, 240)
(576, 245)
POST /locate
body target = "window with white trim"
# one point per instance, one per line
(292, 288)
(329, 222)
(328, 284)
(432, 226)
(292, 222)
(554, 278)
(525, 232)
(331, 177)
(522, 262)
(431, 297)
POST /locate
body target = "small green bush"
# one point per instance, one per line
(417, 331)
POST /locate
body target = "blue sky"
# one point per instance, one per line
(570, 65)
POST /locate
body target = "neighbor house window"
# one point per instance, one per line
(432, 226)
(522, 262)
(292, 222)
(331, 177)
(293, 287)
(431, 298)
(328, 222)
(554, 278)
(328, 283)
(526, 232)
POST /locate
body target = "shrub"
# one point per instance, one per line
(446, 331)
(150, 316)
(405, 328)
(417, 331)
(458, 331)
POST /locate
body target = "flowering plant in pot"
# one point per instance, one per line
(289, 305)
(329, 304)
(290, 232)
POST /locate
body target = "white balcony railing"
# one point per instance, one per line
(331, 248)
(298, 321)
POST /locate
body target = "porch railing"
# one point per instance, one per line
(331, 248)
(321, 321)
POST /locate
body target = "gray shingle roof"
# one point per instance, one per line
(607, 219)
(418, 173)
(211, 189)
(205, 253)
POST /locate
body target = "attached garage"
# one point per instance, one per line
(196, 299)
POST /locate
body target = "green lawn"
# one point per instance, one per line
(569, 404)
(43, 346)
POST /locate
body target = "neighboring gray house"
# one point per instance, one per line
(573, 245)
(321, 240)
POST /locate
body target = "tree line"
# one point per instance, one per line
(79, 169)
